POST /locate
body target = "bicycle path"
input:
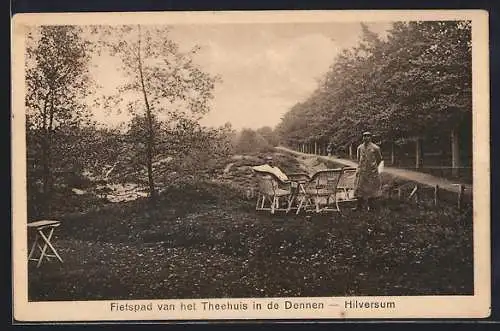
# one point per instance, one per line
(414, 176)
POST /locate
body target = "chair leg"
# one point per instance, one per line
(337, 205)
(261, 202)
(273, 203)
(290, 202)
(300, 204)
(310, 202)
(316, 202)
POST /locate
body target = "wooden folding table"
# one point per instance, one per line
(44, 229)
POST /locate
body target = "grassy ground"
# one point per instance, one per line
(204, 239)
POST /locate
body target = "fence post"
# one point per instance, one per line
(436, 195)
(455, 153)
(460, 196)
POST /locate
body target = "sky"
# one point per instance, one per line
(264, 68)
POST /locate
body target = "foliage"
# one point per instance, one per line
(249, 140)
(416, 81)
(57, 83)
(269, 135)
(165, 83)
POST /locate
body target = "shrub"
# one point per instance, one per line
(250, 141)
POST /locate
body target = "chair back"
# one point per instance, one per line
(347, 184)
(348, 179)
(267, 182)
(325, 179)
(299, 177)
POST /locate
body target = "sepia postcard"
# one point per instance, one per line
(284, 165)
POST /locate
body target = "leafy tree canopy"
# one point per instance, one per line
(416, 81)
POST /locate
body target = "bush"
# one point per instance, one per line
(250, 141)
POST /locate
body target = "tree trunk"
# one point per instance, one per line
(315, 148)
(393, 154)
(46, 170)
(350, 151)
(44, 207)
(149, 119)
(49, 156)
(418, 153)
(455, 153)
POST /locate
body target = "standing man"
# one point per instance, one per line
(368, 178)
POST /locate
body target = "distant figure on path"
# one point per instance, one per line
(368, 186)
(329, 149)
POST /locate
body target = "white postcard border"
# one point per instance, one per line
(476, 306)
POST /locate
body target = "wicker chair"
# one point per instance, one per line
(321, 191)
(272, 191)
(347, 185)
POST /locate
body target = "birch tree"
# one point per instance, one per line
(164, 81)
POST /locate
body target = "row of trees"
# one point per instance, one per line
(415, 82)
(168, 95)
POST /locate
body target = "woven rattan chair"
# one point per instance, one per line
(272, 192)
(320, 191)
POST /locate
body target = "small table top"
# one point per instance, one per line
(38, 224)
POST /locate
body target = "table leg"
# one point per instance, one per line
(48, 243)
(33, 246)
(44, 246)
